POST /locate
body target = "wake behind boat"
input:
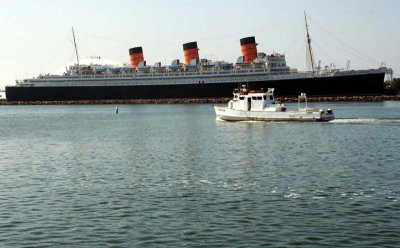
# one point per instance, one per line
(261, 106)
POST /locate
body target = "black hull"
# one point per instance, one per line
(355, 85)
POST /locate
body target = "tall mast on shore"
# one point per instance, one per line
(309, 54)
(76, 49)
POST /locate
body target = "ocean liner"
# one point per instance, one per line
(96, 79)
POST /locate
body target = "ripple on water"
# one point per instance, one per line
(79, 176)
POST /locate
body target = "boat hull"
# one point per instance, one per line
(351, 85)
(228, 114)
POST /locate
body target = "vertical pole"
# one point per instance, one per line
(310, 54)
(306, 102)
(76, 49)
(298, 103)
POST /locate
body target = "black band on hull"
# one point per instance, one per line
(356, 85)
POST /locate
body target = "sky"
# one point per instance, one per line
(36, 36)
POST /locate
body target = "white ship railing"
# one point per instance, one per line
(175, 74)
(217, 76)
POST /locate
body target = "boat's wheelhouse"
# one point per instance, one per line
(254, 100)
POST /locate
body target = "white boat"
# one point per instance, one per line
(260, 105)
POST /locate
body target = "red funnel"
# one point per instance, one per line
(249, 49)
(190, 52)
(136, 56)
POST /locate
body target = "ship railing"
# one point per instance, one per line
(251, 71)
(175, 74)
(165, 74)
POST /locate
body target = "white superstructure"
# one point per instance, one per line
(101, 72)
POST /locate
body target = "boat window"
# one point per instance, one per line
(271, 98)
(241, 98)
(265, 97)
(259, 97)
(253, 98)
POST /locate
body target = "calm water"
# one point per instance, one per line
(171, 175)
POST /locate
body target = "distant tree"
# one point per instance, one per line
(395, 84)
(387, 84)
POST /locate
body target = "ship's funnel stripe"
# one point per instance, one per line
(248, 40)
(249, 49)
(190, 45)
(136, 56)
(135, 50)
(190, 52)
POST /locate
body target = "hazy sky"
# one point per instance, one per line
(36, 35)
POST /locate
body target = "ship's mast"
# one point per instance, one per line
(76, 49)
(309, 55)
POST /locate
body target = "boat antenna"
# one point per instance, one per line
(76, 49)
(309, 55)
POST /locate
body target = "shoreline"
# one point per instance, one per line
(203, 100)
